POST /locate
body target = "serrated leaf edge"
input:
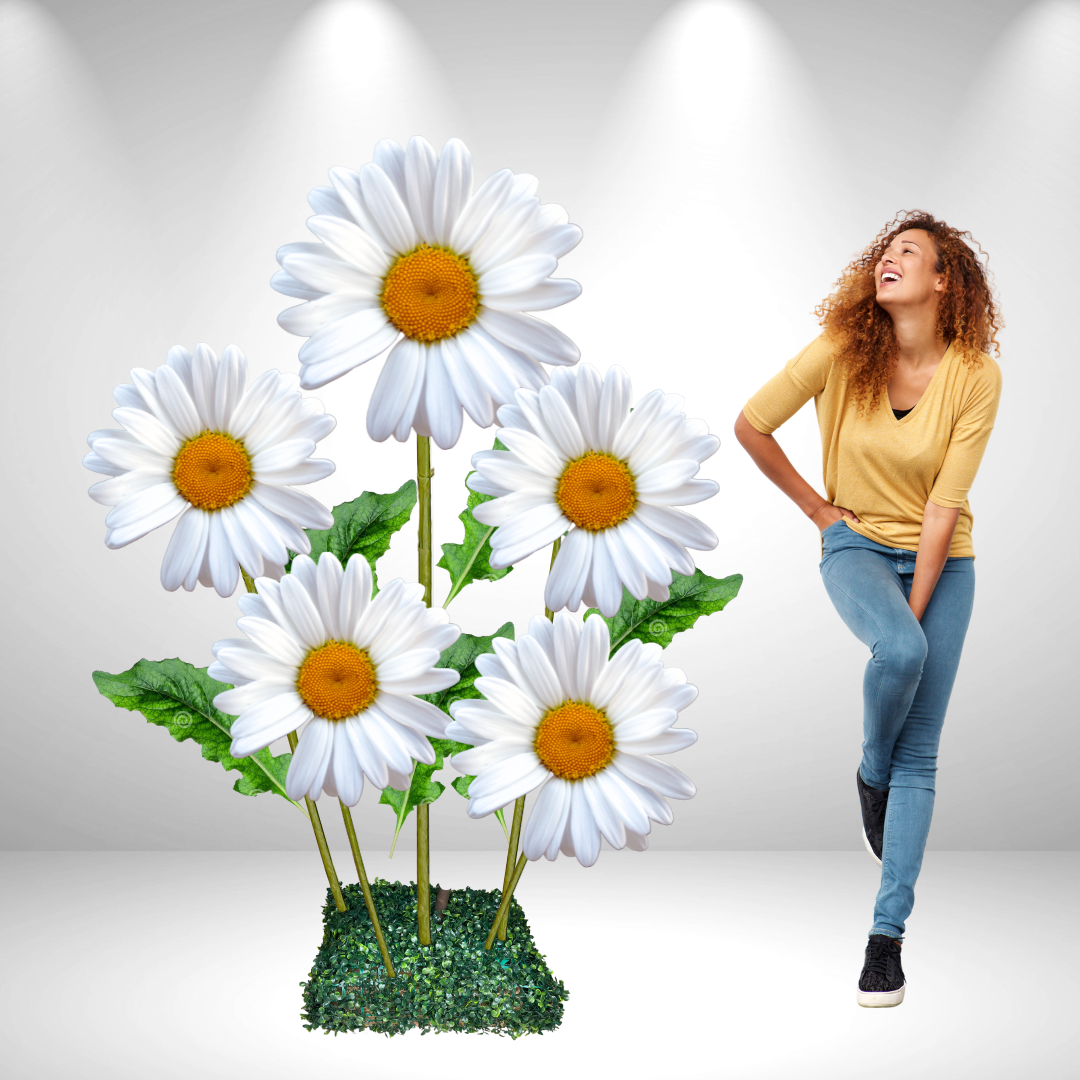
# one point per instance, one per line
(206, 716)
(664, 604)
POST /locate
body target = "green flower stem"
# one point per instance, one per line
(316, 825)
(424, 473)
(511, 857)
(346, 814)
(320, 839)
(554, 551)
(423, 876)
(510, 877)
(504, 905)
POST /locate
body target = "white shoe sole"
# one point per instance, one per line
(866, 843)
(880, 1001)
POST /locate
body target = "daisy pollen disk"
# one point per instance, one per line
(557, 712)
(201, 445)
(579, 461)
(320, 651)
(409, 258)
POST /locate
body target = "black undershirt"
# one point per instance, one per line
(901, 413)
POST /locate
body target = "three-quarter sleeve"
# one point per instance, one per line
(803, 377)
(970, 434)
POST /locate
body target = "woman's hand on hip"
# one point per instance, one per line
(827, 514)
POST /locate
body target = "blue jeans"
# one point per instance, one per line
(906, 689)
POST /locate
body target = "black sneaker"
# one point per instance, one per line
(881, 983)
(872, 801)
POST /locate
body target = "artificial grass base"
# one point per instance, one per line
(453, 984)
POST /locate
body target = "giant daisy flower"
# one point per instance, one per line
(411, 260)
(580, 459)
(558, 712)
(321, 652)
(200, 446)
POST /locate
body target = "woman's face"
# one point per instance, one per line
(905, 274)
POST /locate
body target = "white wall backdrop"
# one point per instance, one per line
(725, 159)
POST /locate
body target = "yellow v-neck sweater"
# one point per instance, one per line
(881, 468)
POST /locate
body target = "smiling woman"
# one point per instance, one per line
(906, 399)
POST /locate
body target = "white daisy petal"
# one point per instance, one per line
(176, 399)
(548, 294)
(364, 333)
(676, 525)
(229, 386)
(548, 818)
(502, 783)
(186, 548)
(658, 775)
(453, 185)
(348, 778)
(283, 282)
(326, 202)
(310, 759)
(672, 474)
(571, 565)
(385, 205)
(467, 384)
(643, 551)
(515, 276)
(531, 336)
(148, 430)
(528, 532)
(258, 740)
(605, 810)
(583, 828)
(307, 512)
(241, 543)
(510, 699)
(421, 162)
(352, 245)
(369, 760)
(399, 385)
(479, 211)
(440, 400)
(356, 587)
(347, 187)
(307, 319)
(113, 491)
(411, 712)
(142, 512)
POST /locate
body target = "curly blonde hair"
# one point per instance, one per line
(967, 315)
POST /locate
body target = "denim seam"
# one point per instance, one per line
(882, 638)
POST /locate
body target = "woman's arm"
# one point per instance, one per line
(938, 525)
(774, 463)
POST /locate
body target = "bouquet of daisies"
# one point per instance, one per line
(370, 683)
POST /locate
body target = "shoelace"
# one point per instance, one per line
(877, 960)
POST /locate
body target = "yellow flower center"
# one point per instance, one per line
(430, 293)
(574, 740)
(212, 470)
(596, 491)
(337, 680)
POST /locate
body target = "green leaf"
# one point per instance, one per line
(469, 561)
(179, 698)
(422, 789)
(459, 657)
(660, 620)
(364, 525)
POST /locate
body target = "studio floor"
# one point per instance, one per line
(710, 964)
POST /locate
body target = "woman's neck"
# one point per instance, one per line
(918, 343)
